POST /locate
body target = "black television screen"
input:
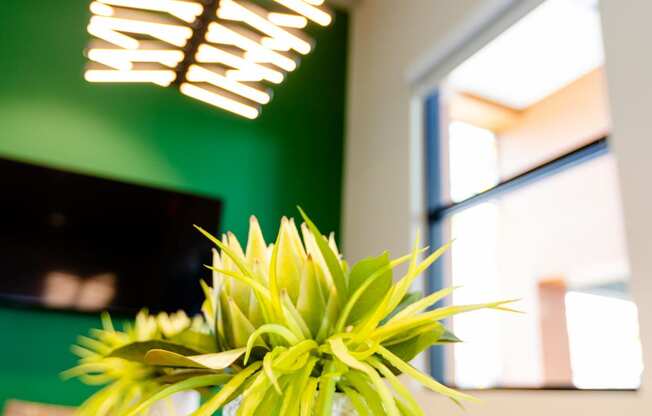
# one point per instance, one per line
(71, 241)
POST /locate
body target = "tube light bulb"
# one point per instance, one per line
(229, 8)
(245, 76)
(274, 44)
(111, 61)
(306, 9)
(219, 100)
(159, 77)
(173, 34)
(217, 33)
(111, 36)
(212, 54)
(257, 57)
(184, 10)
(288, 20)
(169, 58)
(315, 2)
(198, 73)
(101, 9)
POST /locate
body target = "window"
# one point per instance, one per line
(521, 176)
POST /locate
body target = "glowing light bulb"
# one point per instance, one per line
(169, 58)
(111, 61)
(141, 41)
(217, 99)
(197, 73)
(184, 10)
(173, 34)
(101, 9)
(287, 20)
(219, 33)
(245, 76)
(306, 9)
(258, 19)
(211, 54)
(274, 44)
(159, 77)
(113, 37)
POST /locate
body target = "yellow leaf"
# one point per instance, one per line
(310, 303)
(287, 267)
(256, 246)
(216, 361)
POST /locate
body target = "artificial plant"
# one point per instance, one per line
(291, 324)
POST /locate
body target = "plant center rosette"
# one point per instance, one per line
(291, 327)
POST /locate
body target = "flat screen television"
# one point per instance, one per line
(77, 242)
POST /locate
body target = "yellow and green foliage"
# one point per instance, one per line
(291, 325)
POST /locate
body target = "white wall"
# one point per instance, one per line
(392, 39)
(386, 37)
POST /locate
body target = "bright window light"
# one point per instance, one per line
(473, 160)
(478, 360)
(599, 328)
(555, 44)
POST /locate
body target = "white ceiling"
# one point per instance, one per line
(552, 46)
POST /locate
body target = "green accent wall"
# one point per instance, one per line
(155, 136)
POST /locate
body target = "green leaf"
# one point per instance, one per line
(422, 378)
(216, 361)
(357, 400)
(414, 271)
(293, 318)
(272, 401)
(311, 304)
(268, 367)
(328, 319)
(410, 348)
(277, 329)
(292, 398)
(255, 313)
(217, 401)
(189, 384)
(403, 325)
(424, 303)
(240, 326)
(396, 384)
(198, 340)
(256, 247)
(363, 385)
(332, 262)
(228, 251)
(288, 262)
(407, 300)
(136, 350)
(254, 394)
(324, 405)
(448, 337)
(308, 397)
(342, 353)
(362, 271)
(293, 354)
(368, 283)
(184, 374)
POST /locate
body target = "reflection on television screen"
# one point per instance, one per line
(71, 241)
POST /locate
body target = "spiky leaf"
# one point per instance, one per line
(136, 350)
(362, 271)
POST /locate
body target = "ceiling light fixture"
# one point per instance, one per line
(221, 52)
